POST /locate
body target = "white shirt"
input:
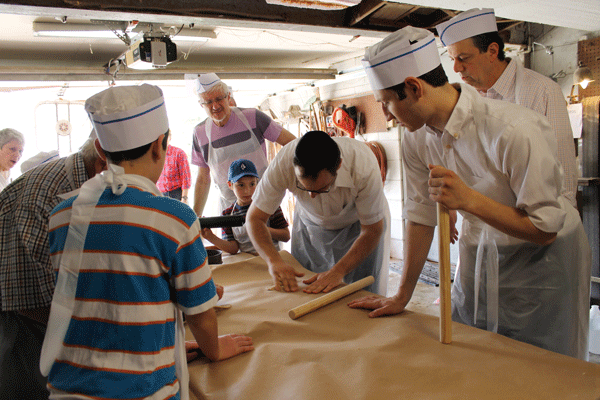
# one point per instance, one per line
(511, 160)
(4, 181)
(358, 182)
(541, 94)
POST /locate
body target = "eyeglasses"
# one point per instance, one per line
(211, 102)
(320, 191)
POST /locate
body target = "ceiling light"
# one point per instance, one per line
(99, 31)
(582, 76)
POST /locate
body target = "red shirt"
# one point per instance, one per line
(176, 172)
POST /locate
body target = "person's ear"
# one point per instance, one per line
(230, 185)
(414, 87)
(493, 50)
(99, 150)
(157, 148)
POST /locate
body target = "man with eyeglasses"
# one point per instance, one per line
(229, 134)
(341, 225)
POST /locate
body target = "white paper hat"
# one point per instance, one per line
(39, 159)
(407, 52)
(127, 117)
(205, 82)
(467, 24)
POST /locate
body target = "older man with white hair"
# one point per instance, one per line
(230, 133)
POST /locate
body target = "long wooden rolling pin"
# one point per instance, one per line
(443, 223)
(329, 298)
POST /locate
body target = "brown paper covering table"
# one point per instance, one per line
(339, 353)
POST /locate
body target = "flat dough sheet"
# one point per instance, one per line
(339, 353)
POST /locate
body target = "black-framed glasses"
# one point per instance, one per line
(319, 191)
(211, 102)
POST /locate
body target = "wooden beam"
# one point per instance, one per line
(364, 9)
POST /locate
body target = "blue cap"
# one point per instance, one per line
(240, 168)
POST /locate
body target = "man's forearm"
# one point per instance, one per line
(200, 195)
(256, 224)
(417, 243)
(365, 243)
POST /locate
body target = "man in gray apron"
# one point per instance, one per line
(229, 134)
(524, 259)
(26, 273)
(341, 225)
(477, 51)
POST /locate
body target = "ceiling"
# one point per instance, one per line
(252, 39)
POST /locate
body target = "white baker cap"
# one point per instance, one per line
(407, 52)
(205, 82)
(39, 159)
(467, 24)
(127, 117)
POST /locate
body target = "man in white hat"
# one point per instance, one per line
(26, 273)
(477, 51)
(494, 162)
(129, 262)
(229, 134)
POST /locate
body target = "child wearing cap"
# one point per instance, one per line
(242, 180)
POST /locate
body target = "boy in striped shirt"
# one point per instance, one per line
(129, 262)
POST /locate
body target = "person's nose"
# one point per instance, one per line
(458, 67)
(388, 115)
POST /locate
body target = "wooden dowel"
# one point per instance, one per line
(443, 223)
(329, 298)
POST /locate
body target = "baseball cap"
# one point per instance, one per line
(240, 168)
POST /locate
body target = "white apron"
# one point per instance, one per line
(220, 159)
(535, 294)
(318, 249)
(63, 301)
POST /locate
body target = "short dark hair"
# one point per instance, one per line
(118, 157)
(317, 151)
(436, 77)
(483, 41)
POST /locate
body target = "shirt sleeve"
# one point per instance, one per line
(184, 170)
(370, 201)
(418, 208)
(269, 128)
(33, 279)
(198, 138)
(191, 277)
(278, 178)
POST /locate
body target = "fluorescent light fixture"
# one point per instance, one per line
(99, 31)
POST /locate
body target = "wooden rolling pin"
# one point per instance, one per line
(329, 298)
(443, 223)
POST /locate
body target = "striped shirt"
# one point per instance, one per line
(235, 131)
(543, 95)
(143, 257)
(26, 278)
(176, 172)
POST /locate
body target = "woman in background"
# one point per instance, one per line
(11, 150)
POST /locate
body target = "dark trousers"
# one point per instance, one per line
(20, 347)
(174, 194)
